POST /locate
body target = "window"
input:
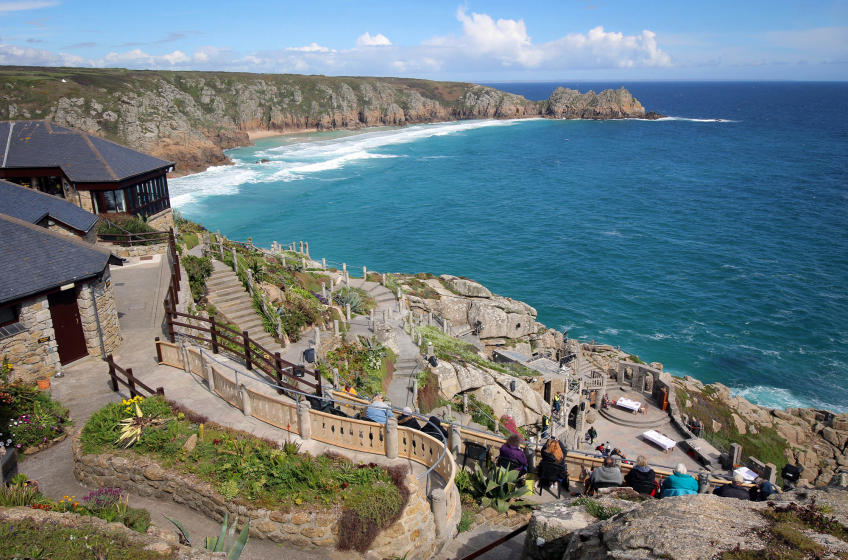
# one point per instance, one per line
(8, 315)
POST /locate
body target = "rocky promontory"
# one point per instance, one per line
(192, 117)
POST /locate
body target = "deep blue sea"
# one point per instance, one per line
(719, 248)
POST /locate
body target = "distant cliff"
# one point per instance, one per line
(191, 117)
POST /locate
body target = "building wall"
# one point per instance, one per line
(162, 221)
(31, 359)
(86, 202)
(107, 310)
(52, 225)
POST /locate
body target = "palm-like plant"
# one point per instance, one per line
(349, 296)
(500, 489)
(133, 427)
(224, 542)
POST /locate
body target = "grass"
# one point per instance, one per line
(465, 521)
(239, 466)
(767, 445)
(596, 509)
(41, 539)
(784, 537)
(451, 349)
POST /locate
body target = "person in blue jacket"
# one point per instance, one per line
(679, 483)
(378, 411)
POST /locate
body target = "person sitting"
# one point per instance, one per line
(762, 489)
(408, 420)
(641, 472)
(348, 388)
(603, 450)
(554, 453)
(617, 451)
(734, 489)
(433, 428)
(378, 411)
(605, 476)
(512, 450)
(679, 483)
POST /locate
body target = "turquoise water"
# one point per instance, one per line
(717, 248)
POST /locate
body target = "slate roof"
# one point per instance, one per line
(82, 157)
(35, 260)
(33, 206)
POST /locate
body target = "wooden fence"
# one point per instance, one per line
(135, 239)
(131, 382)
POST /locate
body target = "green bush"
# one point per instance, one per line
(596, 509)
(236, 464)
(29, 417)
(44, 539)
(368, 511)
(199, 269)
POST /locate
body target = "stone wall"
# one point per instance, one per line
(414, 533)
(107, 312)
(31, 358)
(58, 227)
(162, 221)
(136, 250)
(85, 201)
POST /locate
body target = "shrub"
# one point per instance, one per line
(198, 270)
(500, 489)
(370, 510)
(29, 417)
(596, 509)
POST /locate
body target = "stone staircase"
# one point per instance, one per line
(633, 420)
(228, 295)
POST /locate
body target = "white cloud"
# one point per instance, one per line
(22, 6)
(27, 56)
(313, 47)
(378, 40)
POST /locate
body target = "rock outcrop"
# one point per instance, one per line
(681, 528)
(191, 117)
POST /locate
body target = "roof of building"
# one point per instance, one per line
(37, 260)
(33, 206)
(82, 157)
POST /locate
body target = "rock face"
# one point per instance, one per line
(523, 404)
(191, 117)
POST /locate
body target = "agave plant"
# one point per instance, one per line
(224, 542)
(374, 347)
(133, 427)
(499, 490)
(349, 296)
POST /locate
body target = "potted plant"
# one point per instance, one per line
(43, 383)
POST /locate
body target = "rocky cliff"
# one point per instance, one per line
(191, 117)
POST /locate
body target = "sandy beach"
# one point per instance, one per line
(259, 134)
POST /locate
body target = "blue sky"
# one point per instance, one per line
(439, 39)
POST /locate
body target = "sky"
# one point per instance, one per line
(493, 40)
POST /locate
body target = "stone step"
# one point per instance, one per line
(226, 291)
(634, 423)
(227, 298)
(239, 305)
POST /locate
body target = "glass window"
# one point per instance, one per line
(109, 198)
(95, 198)
(120, 203)
(8, 315)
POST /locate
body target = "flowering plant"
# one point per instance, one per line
(102, 498)
(508, 423)
(33, 429)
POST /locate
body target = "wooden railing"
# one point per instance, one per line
(240, 343)
(133, 239)
(132, 383)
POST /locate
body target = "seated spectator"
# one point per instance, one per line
(762, 489)
(641, 472)
(734, 489)
(554, 452)
(512, 450)
(433, 428)
(606, 475)
(378, 411)
(679, 483)
(408, 420)
(348, 388)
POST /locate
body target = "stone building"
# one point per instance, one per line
(47, 211)
(56, 299)
(97, 175)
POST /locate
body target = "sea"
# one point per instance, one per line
(713, 241)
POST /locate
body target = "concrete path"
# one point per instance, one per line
(471, 541)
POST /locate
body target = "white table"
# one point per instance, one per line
(655, 437)
(628, 404)
(747, 474)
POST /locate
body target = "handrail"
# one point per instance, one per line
(320, 397)
(131, 382)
